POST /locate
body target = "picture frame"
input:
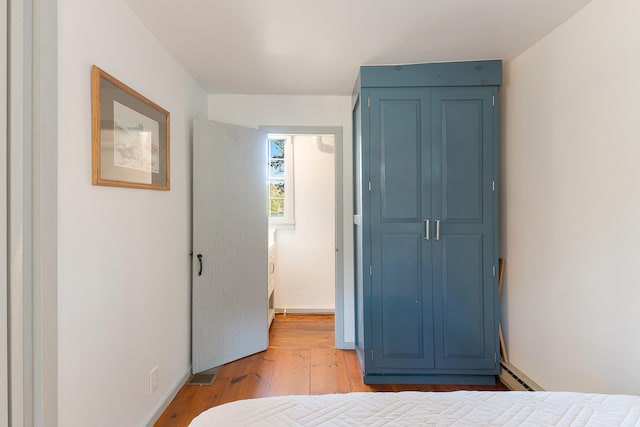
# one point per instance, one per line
(130, 136)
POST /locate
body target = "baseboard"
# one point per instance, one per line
(168, 398)
(344, 345)
(305, 310)
(515, 380)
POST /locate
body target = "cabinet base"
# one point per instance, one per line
(430, 379)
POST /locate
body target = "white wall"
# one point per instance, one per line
(305, 266)
(570, 203)
(281, 110)
(124, 266)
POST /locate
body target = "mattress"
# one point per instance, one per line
(458, 408)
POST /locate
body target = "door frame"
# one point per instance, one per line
(29, 206)
(336, 131)
(4, 324)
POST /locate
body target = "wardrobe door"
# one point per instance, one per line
(400, 175)
(463, 205)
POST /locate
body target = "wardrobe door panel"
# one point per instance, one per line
(464, 285)
(462, 166)
(400, 147)
(462, 321)
(400, 325)
(401, 292)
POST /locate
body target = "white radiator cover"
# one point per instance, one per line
(515, 380)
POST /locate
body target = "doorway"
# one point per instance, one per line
(302, 222)
(305, 241)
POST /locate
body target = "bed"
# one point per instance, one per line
(458, 408)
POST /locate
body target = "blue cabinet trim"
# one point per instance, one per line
(430, 379)
(468, 73)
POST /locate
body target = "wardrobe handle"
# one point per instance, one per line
(437, 229)
(426, 229)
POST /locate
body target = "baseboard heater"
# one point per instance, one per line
(515, 380)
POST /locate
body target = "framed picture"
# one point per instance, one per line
(130, 136)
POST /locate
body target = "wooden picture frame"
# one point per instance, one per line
(130, 136)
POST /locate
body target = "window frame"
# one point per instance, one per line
(288, 219)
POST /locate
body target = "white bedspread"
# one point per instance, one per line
(460, 408)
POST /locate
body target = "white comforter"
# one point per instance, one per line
(460, 408)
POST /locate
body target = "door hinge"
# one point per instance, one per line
(494, 270)
(493, 186)
(495, 357)
(370, 270)
(493, 100)
(371, 354)
(369, 185)
(368, 101)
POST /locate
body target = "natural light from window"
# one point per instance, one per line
(280, 166)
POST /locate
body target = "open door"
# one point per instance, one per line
(229, 270)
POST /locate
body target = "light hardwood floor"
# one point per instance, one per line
(301, 359)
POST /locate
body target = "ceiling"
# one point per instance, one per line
(314, 47)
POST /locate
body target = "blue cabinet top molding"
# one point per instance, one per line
(467, 73)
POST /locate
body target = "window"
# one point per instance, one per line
(280, 164)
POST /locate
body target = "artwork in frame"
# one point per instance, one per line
(130, 136)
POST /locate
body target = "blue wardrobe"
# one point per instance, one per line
(425, 226)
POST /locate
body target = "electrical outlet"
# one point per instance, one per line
(153, 379)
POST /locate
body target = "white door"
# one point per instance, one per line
(229, 308)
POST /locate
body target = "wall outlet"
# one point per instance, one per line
(153, 379)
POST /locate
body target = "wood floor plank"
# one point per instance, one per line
(185, 406)
(353, 372)
(320, 322)
(291, 373)
(252, 377)
(328, 373)
(301, 359)
(301, 338)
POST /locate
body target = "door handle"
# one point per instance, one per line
(426, 229)
(199, 256)
(437, 229)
